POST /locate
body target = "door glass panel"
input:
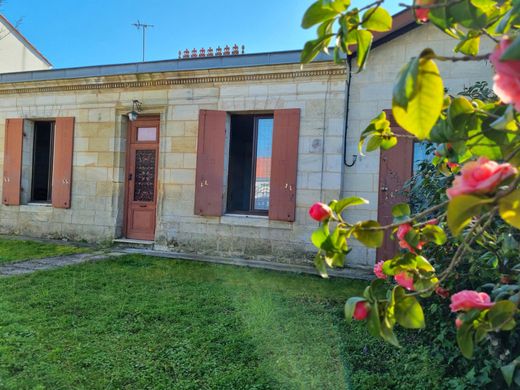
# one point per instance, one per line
(144, 185)
(264, 149)
(146, 134)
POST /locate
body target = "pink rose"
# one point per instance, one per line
(458, 323)
(480, 177)
(466, 300)
(507, 77)
(320, 211)
(378, 270)
(404, 279)
(361, 311)
(422, 14)
(402, 231)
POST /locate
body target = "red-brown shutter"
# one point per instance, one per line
(12, 161)
(209, 180)
(62, 164)
(284, 165)
(395, 169)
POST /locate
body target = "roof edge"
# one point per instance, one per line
(24, 40)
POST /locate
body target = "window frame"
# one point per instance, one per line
(254, 155)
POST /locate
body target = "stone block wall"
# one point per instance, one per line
(100, 145)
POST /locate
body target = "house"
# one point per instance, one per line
(214, 137)
(16, 52)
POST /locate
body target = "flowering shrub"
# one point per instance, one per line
(477, 149)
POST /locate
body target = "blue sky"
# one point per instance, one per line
(92, 32)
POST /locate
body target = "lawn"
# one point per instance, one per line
(12, 250)
(140, 322)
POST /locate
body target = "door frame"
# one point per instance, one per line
(129, 134)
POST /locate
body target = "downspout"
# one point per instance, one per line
(349, 62)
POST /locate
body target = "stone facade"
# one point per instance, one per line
(100, 146)
(100, 104)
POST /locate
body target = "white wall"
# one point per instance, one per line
(15, 56)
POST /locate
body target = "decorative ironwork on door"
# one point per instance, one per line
(144, 176)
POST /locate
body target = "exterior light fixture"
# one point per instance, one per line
(136, 109)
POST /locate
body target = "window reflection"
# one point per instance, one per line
(264, 149)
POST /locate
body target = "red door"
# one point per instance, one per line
(141, 178)
(395, 169)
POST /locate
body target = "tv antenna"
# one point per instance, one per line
(143, 26)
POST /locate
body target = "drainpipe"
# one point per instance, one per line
(349, 62)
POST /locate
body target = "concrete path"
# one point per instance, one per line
(30, 266)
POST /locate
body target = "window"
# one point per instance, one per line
(42, 161)
(249, 170)
(422, 151)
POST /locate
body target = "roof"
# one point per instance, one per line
(13, 30)
(403, 22)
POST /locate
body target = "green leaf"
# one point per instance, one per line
(501, 313)
(338, 5)
(423, 107)
(369, 238)
(408, 311)
(350, 306)
(364, 43)
(318, 13)
(313, 48)
(513, 51)
(508, 372)
(373, 321)
(509, 208)
(319, 263)
(469, 46)
(406, 85)
(349, 202)
(401, 210)
(461, 209)
(434, 234)
(465, 339)
(320, 238)
(377, 19)
(374, 143)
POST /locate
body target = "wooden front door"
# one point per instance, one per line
(395, 169)
(141, 178)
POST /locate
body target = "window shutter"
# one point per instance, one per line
(209, 180)
(284, 165)
(12, 161)
(62, 162)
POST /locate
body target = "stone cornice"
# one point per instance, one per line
(86, 85)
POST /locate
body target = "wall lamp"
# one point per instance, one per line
(136, 109)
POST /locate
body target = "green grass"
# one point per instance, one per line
(12, 250)
(139, 322)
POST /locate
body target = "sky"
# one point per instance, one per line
(73, 33)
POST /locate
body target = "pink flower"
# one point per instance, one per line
(507, 77)
(405, 280)
(466, 300)
(361, 311)
(320, 211)
(480, 177)
(452, 165)
(402, 231)
(378, 270)
(422, 14)
(458, 323)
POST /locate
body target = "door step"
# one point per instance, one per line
(130, 243)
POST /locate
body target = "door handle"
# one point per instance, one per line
(142, 205)
(130, 176)
(384, 189)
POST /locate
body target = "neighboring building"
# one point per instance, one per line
(16, 52)
(190, 173)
